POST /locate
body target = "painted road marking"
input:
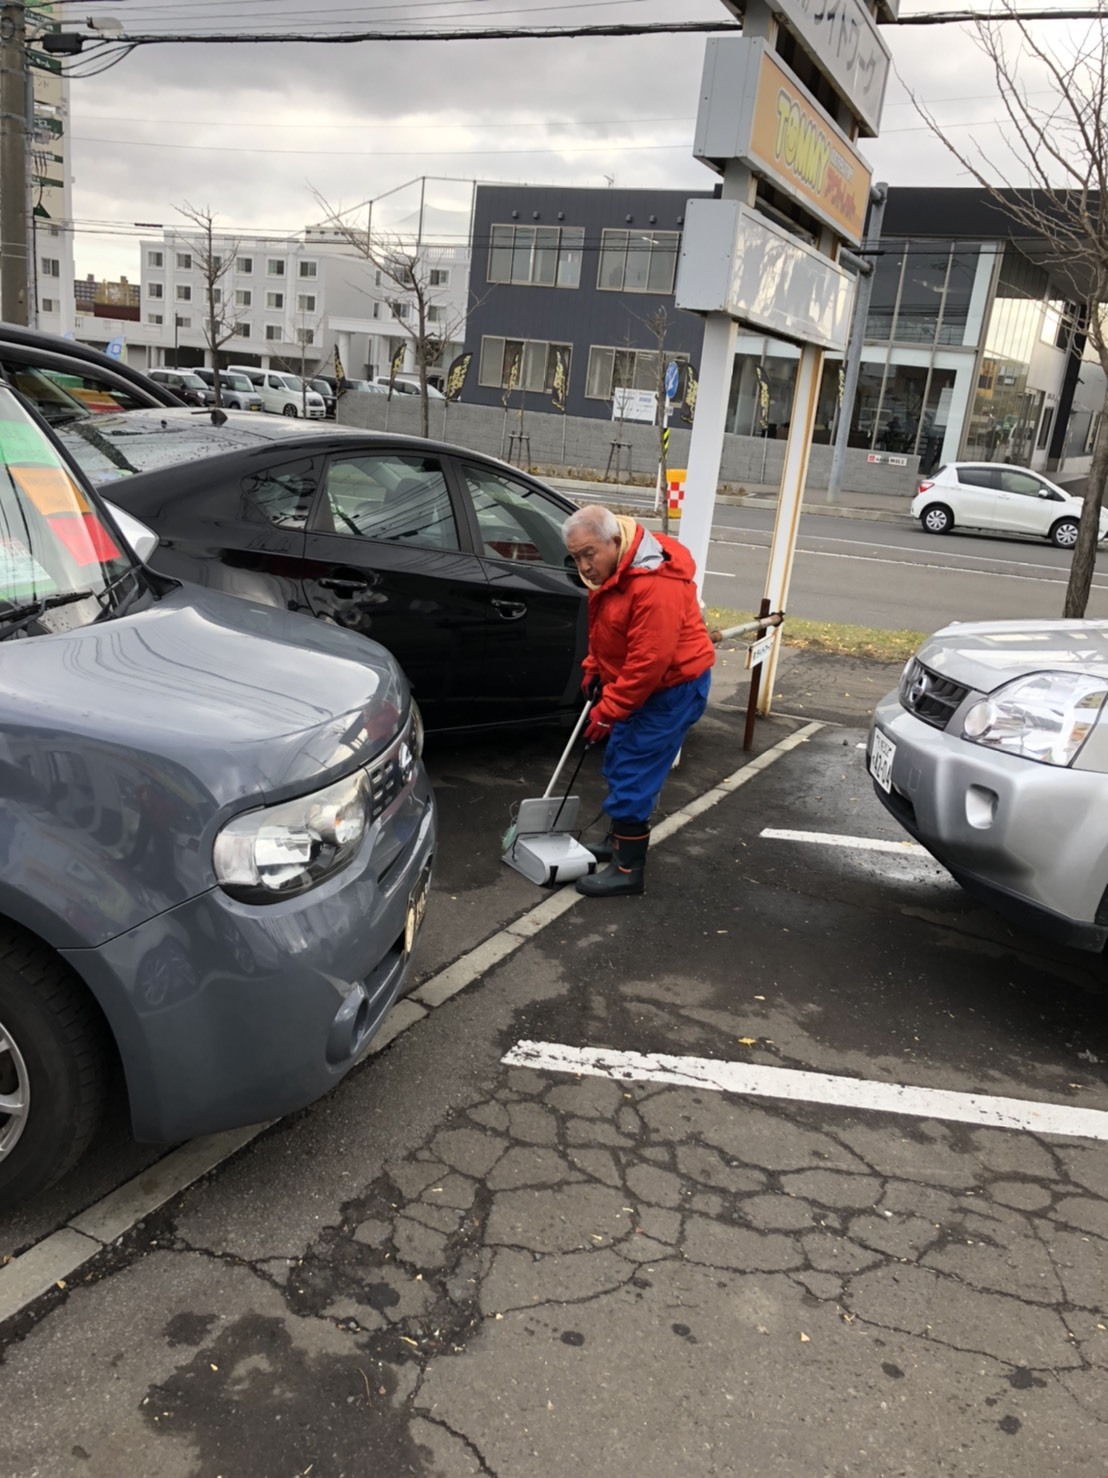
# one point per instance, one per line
(1023, 1114)
(907, 549)
(832, 839)
(722, 574)
(58, 1256)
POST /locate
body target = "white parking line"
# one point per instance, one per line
(722, 574)
(832, 839)
(53, 1261)
(1022, 1114)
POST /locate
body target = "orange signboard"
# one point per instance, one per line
(795, 143)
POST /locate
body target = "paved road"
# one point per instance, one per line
(889, 575)
(454, 1266)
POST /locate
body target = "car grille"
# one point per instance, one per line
(386, 781)
(932, 698)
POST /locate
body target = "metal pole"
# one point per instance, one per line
(755, 685)
(853, 367)
(14, 260)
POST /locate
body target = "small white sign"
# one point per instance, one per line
(758, 651)
(634, 405)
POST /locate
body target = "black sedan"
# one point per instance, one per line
(451, 560)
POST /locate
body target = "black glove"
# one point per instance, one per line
(591, 688)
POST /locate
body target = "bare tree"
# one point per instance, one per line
(410, 292)
(220, 319)
(1059, 151)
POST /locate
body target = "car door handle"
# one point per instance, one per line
(510, 610)
(344, 584)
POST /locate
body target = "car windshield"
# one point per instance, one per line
(194, 382)
(60, 565)
(292, 382)
(236, 382)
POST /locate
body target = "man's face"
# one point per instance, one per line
(595, 557)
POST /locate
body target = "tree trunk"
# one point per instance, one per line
(1084, 554)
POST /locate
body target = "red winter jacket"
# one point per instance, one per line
(645, 627)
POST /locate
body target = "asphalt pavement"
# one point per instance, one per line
(676, 1184)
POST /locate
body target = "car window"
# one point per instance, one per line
(283, 493)
(1020, 482)
(517, 522)
(978, 477)
(54, 403)
(392, 497)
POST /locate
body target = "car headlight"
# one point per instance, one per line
(1046, 716)
(283, 850)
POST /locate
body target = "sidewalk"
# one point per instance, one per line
(885, 507)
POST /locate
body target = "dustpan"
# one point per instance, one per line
(540, 843)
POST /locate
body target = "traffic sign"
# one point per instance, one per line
(673, 379)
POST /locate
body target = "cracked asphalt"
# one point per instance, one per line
(454, 1267)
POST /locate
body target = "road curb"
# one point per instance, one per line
(52, 1262)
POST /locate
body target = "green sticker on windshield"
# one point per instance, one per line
(25, 444)
(21, 575)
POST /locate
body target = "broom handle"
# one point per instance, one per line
(573, 738)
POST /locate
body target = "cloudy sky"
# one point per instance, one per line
(250, 130)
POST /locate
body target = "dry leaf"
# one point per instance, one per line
(747, 1041)
(804, 1340)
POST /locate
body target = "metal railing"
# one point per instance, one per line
(757, 650)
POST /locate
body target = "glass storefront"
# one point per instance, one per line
(1005, 413)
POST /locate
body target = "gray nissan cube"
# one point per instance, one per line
(216, 835)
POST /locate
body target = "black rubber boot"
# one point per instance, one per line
(602, 851)
(624, 874)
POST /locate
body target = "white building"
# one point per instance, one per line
(292, 301)
(51, 307)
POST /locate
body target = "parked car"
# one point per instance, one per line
(282, 394)
(993, 753)
(235, 390)
(215, 834)
(408, 385)
(326, 392)
(186, 383)
(451, 560)
(997, 496)
(67, 381)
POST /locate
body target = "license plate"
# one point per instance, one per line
(417, 907)
(881, 755)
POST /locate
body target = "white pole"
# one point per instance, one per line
(717, 360)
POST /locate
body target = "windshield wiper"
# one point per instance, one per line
(15, 618)
(101, 596)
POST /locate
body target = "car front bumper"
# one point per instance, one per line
(227, 1013)
(1029, 839)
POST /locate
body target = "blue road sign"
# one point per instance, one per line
(673, 379)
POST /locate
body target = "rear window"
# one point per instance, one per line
(107, 451)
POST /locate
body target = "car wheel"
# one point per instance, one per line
(936, 518)
(290, 410)
(1064, 533)
(53, 1067)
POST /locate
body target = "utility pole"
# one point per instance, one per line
(14, 260)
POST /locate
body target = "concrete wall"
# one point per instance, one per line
(748, 461)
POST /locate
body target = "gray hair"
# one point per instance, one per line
(592, 519)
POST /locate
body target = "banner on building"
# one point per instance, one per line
(340, 374)
(456, 377)
(692, 385)
(513, 378)
(558, 392)
(394, 366)
(763, 398)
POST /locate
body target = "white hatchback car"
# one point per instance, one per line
(1000, 497)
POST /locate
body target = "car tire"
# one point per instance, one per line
(290, 410)
(936, 518)
(54, 1055)
(1064, 533)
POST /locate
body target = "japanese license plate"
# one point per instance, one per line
(881, 755)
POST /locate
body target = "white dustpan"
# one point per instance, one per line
(539, 843)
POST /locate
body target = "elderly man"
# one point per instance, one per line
(648, 671)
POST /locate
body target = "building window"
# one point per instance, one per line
(376, 311)
(275, 300)
(54, 231)
(275, 267)
(217, 264)
(155, 259)
(242, 330)
(638, 261)
(440, 277)
(217, 295)
(308, 269)
(435, 313)
(245, 265)
(184, 293)
(273, 331)
(154, 318)
(243, 297)
(377, 278)
(183, 322)
(51, 267)
(305, 303)
(401, 310)
(613, 369)
(542, 256)
(155, 290)
(49, 305)
(305, 335)
(536, 359)
(184, 261)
